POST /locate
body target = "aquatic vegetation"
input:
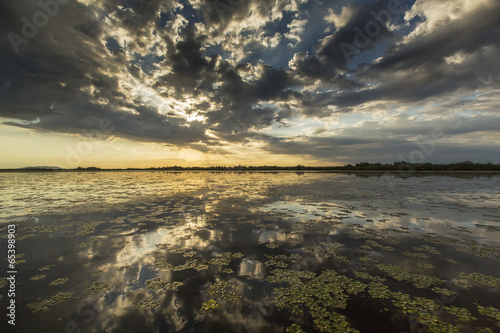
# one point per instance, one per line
(422, 310)
(443, 291)
(87, 228)
(368, 260)
(160, 262)
(219, 261)
(367, 276)
(44, 229)
(191, 264)
(289, 276)
(209, 305)
(98, 287)
(222, 290)
(373, 243)
(147, 304)
(46, 268)
(174, 285)
(424, 265)
(189, 254)
(461, 314)
(38, 277)
(491, 312)
(281, 261)
(327, 250)
(416, 255)
(481, 279)
(320, 295)
(377, 289)
(330, 228)
(154, 284)
(44, 304)
(490, 228)
(428, 249)
(418, 280)
(58, 282)
(3, 282)
(294, 328)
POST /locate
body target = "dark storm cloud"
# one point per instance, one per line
(367, 25)
(479, 28)
(134, 62)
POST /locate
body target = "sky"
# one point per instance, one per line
(150, 83)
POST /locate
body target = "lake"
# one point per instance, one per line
(151, 251)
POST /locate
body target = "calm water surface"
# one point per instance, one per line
(252, 252)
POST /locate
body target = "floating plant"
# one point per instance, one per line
(58, 282)
(443, 291)
(491, 312)
(45, 268)
(461, 314)
(481, 279)
(44, 305)
(222, 290)
(319, 295)
(209, 305)
(418, 280)
(154, 284)
(147, 304)
(98, 287)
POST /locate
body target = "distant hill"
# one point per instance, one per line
(41, 168)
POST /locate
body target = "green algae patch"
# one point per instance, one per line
(281, 260)
(45, 268)
(491, 312)
(378, 290)
(418, 280)
(38, 277)
(174, 285)
(223, 290)
(481, 279)
(46, 303)
(155, 284)
(462, 314)
(428, 249)
(416, 255)
(319, 295)
(147, 304)
(295, 329)
(424, 265)
(225, 258)
(421, 310)
(98, 287)
(209, 305)
(58, 282)
(3, 282)
(443, 291)
(195, 264)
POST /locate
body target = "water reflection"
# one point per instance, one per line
(169, 252)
